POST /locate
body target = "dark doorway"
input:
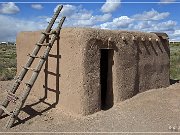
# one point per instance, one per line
(106, 63)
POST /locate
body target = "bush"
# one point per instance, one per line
(7, 74)
(175, 61)
(7, 62)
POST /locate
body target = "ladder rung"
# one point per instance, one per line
(33, 56)
(54, 22)
(47, 44)
(12, 97)
(52, 32)
(28, 84)
(45, 33)
(32, 69)
(5, 110)
(16, 78)
(20, 81)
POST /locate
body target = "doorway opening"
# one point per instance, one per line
(106, 63)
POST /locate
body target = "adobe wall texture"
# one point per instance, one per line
(72, 74)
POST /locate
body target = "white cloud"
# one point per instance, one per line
(167, 1)
(78, 16)
(67, 10)
(176, 32)
(175, 36)
(151, 21)
(142, 25)
(92, 20)
(165, 26)
(150, 26)
(147, 21)
(151, 15)
(81, 16)
(168, 27)
(110, 6)
(120, 22)
(10, 26)
(9, 8)
(142, 21)
(37, 6)
(83, 23)
(102, 18)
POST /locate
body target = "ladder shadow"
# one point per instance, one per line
(4, 116)
(32, 112)
(29, 108)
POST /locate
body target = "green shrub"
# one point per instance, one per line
(7, 74)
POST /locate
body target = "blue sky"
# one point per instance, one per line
(31, 15)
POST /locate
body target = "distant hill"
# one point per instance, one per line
(174, 42)
(7, 43)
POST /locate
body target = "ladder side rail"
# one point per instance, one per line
(37, 48)
(33, 78)
(30, 60)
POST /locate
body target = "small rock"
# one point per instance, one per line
(51, 118)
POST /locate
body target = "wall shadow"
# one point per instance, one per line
(153, 48)
(146, 48)
(136, 86)
(165, 44)
(56, 74)
(159, 46)
(172, 81)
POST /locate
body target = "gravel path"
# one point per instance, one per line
(156, 110)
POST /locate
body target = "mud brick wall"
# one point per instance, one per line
(91, 69)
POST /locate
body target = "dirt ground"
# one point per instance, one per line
(156, 110)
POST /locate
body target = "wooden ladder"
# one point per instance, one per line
(19, 101)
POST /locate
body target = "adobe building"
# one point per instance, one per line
(89, 70)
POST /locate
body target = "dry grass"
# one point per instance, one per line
(7, 62)
(175, 61)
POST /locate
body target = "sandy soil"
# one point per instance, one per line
(156, 110)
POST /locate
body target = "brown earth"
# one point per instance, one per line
(150, 111)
